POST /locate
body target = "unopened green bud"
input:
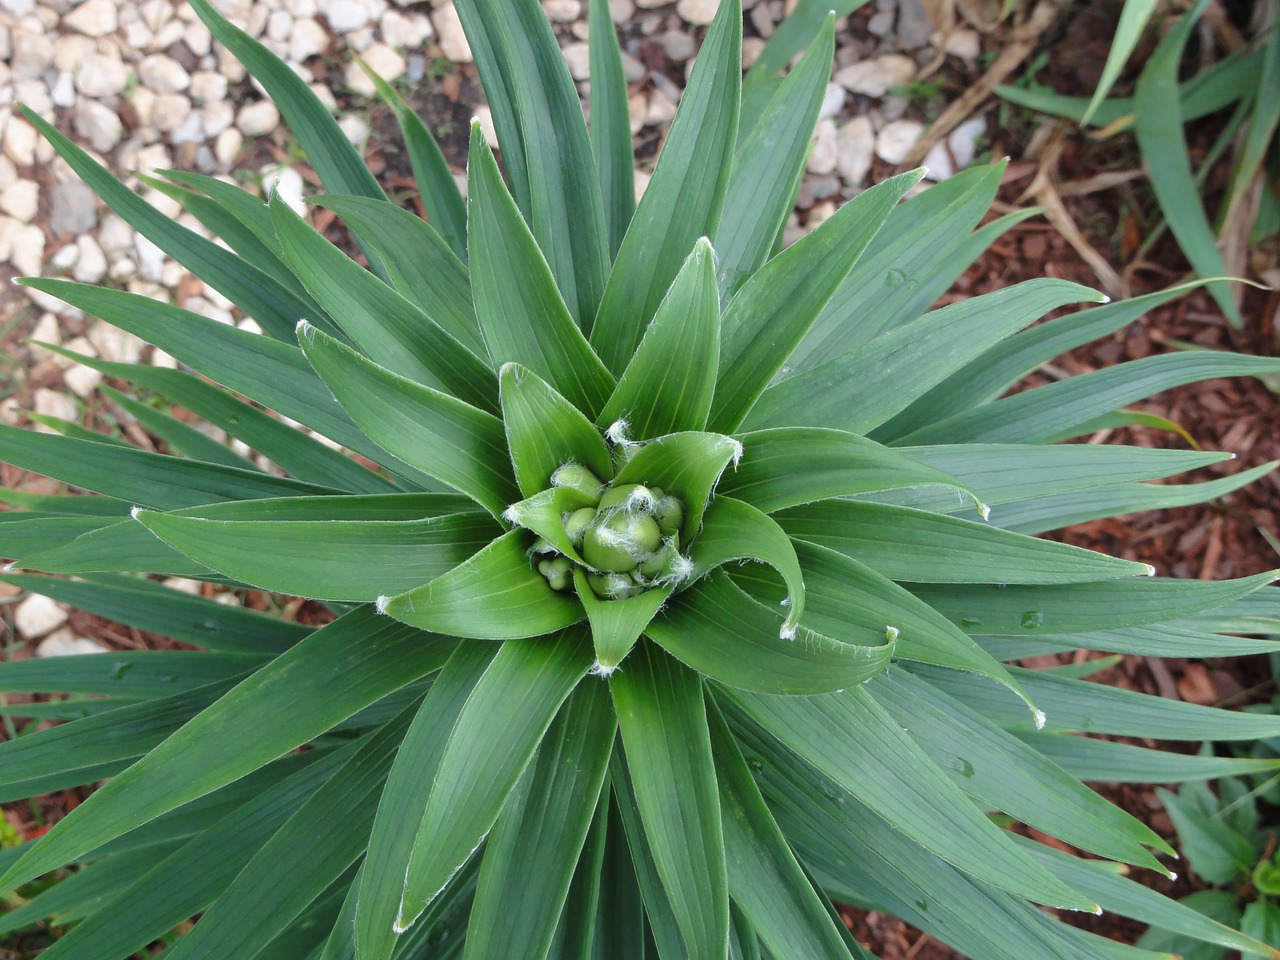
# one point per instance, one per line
(575, 525)
(669, 513)
(627, 495)
(558, 573)
(653, 566)
(613, 586)
(614, 544)
(579, 478)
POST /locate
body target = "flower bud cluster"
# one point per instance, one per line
(628, 537)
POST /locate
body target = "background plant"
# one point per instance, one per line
(497, 765)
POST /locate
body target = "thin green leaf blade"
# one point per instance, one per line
(610, 125)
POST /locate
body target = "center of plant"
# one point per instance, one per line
(627, 536)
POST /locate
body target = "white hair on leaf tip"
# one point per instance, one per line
(9, 567)
(737, 452)
(617, 432)
(512, 514)
(787, 632)
(1151, 571)
(602, 670)
(1040, 718)
(984, 511)
(133, 513)
(381, 603)
(1171, 874)
(891, 633)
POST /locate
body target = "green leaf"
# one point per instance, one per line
(1057, 410)
(140, 674)
(496, 595)
(179, 437)
(541, 832)
(496, 735)
(721, 631)
(1018, 610)
(424, 269)
(1158, 128)
(400, 808)
(853, 740)
(273, 306)
(273, 373)
(545, 145)
(546, 431)
(522, 315)
(616, 625)
(773, 310)
(120, 547)
(663, 721)
(310, 851)
(861, 390)
(768, 166)
(329, 559)
(919, 546)
(431, 432)
(293, 450)
(765, 881)
(1009, 361)
(1216, 852)
(147, 605)
(446, 209)
(163, 482)
(330, 153)
(386, 327)
(668, 384)
(788, 466)
(246, 207)
(69, 504)
(1003, 773)
(911, 261)
(1133, 21)
(576, 933)
(686, 465)
(685, 196)
(610, 125)
(321, 681)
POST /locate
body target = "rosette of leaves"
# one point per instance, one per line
(674, 578)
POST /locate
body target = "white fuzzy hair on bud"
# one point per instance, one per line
(617, 432)
(640, 498)
(512, 514)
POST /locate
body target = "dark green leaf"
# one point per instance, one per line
(611, 125)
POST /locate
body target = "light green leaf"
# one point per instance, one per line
(768, 166)
(919, 546)
(1019, 610)
(247, 208)
(544, 514)
(616, 625)
(1158, 128)
(545, 431)
(663, 721)
(861, 390)
(429, 431)
(545, 145)
(82, 545)
(610, 125)
(147, 605)
(153, 479)
(1214, 850)
(386, 327)
(273, 306)
(683, 199)
(425, 270)
(329, 151)
(274, 374)
(522, 314)
(338, 670)
(686, 465)
(1133, 21)
(497, 733)
(721, 631)
(496, 595)
(668, 384)
(853, 740)
(541, 831)
(329, 559)
(446, 209)
(1058, 409)
(773, 310)
(765, 881)
(789, 466)
(400, 808)
(576, 933)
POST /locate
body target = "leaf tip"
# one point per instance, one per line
(788, 632)
(135, 512)
(9, 567)
(381, 604)
(891, 634)
(617, 432)
(984, 511)
(602, 670)
(304, 330)
(1039, 717)
(1151, 571)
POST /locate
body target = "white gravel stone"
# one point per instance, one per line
(115, 236)
(965, 44)
(17, 8)
(309, 8)
(855, 146)
(288, 184)
(822, 157)
(114, 344)
(55, 403)
(621, 10)
(405, 30)
(453, 42)
(651, 4)
(207, 86)
(382, 60)
(279, 25)
(21, 200)
(163, 74)
(258, 119)
(752, 47)
(949, 157)
(698, 12)
(875, 78)
(64, 643)
(82, 380)
(217, 116)
(171, 109)
(91, 264)
(356, 128)
(20, 139)
(832, 102)
(562, 11)
(895, 141)
(197, 38)
(32, 55)
(8, 172)
(35, 94)
(98, 124)
(46, 330)
(65, 258)
(94, 18)
(661, 110)
(227, 146)
(308, 40)
(485, 116)
(578, 57)
(73, 208)
(26, 251)
(345, 15)
(63, 90)
(101, 75)
(38, 615)
(150, 260)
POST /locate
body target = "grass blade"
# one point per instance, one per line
(610, 126)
